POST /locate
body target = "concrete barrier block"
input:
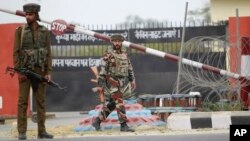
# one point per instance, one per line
(221, 120)
(179, 121)
(195, 120)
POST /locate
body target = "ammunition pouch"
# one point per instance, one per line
(32, 58)
(119, 65)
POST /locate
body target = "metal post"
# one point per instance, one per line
(238, 53)
(180, 53)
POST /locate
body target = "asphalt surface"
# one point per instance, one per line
(62, 125)
(188, 137)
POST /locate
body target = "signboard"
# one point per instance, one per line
(144, 35)
(58, 27)
(72, 38)
(74, 63)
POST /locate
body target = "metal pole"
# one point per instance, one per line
(238, 53)
(180, 53)
(238, 41)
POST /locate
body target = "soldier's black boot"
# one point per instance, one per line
(45, 135)
(125, 128)
(97, 124)
(22, 136)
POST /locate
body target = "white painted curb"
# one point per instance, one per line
(218, 120)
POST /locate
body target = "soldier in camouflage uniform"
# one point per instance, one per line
(115, 71)
(32, 51)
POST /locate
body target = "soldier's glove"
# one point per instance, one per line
(22, 77)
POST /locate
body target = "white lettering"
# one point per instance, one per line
(159, 34)
(62, 37)
(53, 26)
(58, 26)
(239, 132)
(90, 62)
(84, 63)
(78, 37)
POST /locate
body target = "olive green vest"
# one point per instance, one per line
(120, 69)
(33, 53)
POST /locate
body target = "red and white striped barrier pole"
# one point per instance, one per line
(141, 48)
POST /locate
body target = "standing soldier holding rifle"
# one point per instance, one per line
(115, 72)
(32, 51)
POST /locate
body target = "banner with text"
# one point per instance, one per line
(143, 35)
(74, 64)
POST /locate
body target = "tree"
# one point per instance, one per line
(200, 15)
(135, 20)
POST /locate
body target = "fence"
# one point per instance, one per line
(161, 37)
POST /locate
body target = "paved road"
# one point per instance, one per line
(187, 137)
(73, 118)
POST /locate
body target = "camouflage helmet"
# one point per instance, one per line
(31, 7)
(117, 37)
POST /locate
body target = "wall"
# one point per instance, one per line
(8, 85)
(223, 9)
(243, 67)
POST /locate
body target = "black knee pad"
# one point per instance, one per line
(111, 106)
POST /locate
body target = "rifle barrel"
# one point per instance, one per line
(30, 73)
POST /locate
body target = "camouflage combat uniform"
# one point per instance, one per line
(115, 75)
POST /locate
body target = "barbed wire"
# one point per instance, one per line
(217, 52)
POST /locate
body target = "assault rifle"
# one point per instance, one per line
(97, 89)
(34, 77)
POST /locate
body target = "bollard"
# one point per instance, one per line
(183, 102)
(199, 101)
(171, 101)
(161, 102)
(194, 100)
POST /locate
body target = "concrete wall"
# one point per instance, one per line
(223, 9)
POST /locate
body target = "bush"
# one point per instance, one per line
(222, 106)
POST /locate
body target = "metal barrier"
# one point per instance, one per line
(146, 100)
(165, 104)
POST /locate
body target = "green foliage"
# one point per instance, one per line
(221, 106)
(201, 14)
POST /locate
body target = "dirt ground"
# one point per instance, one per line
(67, 131)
